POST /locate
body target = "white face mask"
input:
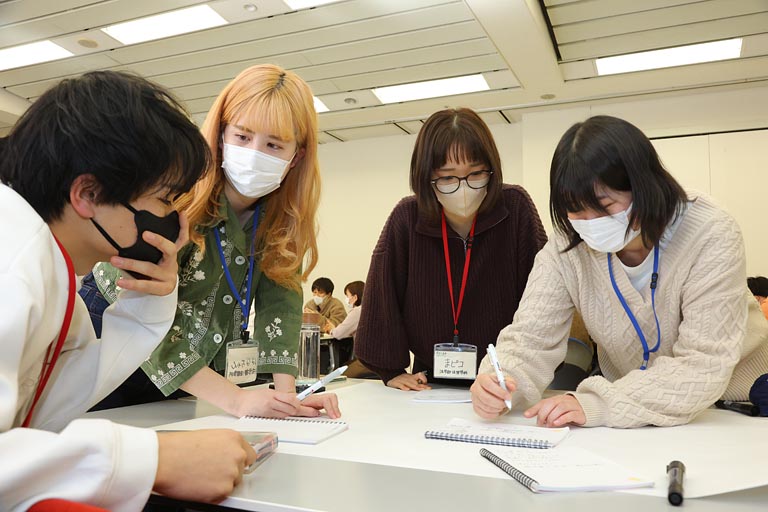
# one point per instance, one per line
(350, 303)
(607, 233)
(464, 202)
(318, 300)
(254, 174)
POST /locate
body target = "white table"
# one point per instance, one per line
(365, 470)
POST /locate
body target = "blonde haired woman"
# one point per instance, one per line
(254, 221)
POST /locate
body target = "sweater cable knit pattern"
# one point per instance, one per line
(714, 339)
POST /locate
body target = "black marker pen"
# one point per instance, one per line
(742, 407)
(675, 473)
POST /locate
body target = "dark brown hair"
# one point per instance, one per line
(356, 288)
(459, 134)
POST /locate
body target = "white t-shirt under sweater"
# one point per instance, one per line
(640, 275)
(89, 461)
(714, 339)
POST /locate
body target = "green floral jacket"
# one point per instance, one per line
(208, 317)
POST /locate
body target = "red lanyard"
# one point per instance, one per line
(47, 369)
(457, 310)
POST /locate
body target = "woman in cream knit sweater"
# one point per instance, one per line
(658, 276)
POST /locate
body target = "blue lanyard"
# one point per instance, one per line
(245, 304)
(654, 283)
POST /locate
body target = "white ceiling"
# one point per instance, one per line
(345, 49)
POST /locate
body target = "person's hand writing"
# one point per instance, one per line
(328, 326)
(266, 402)
(409, 382)
(313, 404)
(557, 411)
(201, 465)
(310, 310)
(162, 276)
(488, 396)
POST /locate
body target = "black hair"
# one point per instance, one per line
(463, 136)
(127, 132)
(323, 284)
(758, 285)
(608, 151)
(356, 288)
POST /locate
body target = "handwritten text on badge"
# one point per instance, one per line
(455, 364)
(242, 362)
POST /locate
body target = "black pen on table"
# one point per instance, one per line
(742, 407)
(675, 473)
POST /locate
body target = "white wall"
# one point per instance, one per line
(364, 179)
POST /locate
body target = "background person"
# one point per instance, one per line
(329, 308)
(759, 287)
(348, 327)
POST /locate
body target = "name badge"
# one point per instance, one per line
(455, 361)
(242, 362)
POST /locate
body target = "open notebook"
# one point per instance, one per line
(504, 434)
(563, 469)
(443, 396)
(288, 430)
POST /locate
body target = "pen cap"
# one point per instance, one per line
(758, 395)
(676, 464)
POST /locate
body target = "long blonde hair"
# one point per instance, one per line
(267, 98)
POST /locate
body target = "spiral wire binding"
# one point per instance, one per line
(511, 470)
(297, 420)
(520, 442)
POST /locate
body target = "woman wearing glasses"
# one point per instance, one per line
(452, 261)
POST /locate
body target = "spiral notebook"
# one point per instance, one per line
(564, 469)
(295, 430)
(503, 434)
(288, 430)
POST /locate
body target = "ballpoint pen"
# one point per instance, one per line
(499, 375)
(322, 382)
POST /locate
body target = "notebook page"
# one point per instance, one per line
(289, 430)
(294, 430)
(443, 395)
(459, 429)
(570, 469)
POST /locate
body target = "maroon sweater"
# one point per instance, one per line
(406, 305)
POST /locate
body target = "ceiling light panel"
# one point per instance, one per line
(306, 4)
(167, 24)
(431, 89)
(670, 57)
(32, 53)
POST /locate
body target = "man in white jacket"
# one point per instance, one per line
(89, 173)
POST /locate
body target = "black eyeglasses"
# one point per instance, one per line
(450, 184)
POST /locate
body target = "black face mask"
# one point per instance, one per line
(168, 227)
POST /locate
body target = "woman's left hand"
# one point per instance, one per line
(557, 411)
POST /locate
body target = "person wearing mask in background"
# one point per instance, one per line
(82, 184)
(254, 218)
(451, 262)
(759, 287)
(329, 308)
(347, 328)
(658, 277)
